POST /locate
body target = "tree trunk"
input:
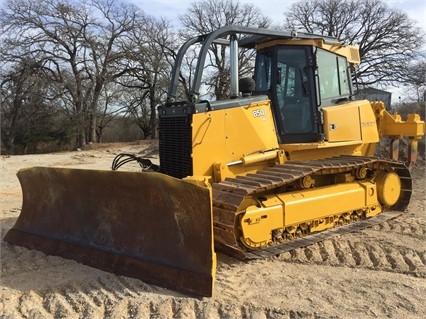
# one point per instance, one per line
(99, 134)
(92, 128)
(81, 130)
(8, 144)
(153, 115)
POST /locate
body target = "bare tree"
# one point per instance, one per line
(111, 95)
(28, 117)
(149, 69)
(415, 80)
(388, 39)
(78, 43)
(206, 16)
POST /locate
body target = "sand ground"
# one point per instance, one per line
(378, 272)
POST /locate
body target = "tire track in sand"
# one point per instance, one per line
(355, 253)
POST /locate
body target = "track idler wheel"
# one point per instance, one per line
(388, 188)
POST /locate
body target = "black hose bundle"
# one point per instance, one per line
(125, 158)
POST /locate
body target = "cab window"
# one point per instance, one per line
(263, 76)
(333, 75)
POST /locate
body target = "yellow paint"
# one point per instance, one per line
(341, 123)
(323, 204)
(349, 51)
(225, 136)
(350, 129)
(393, 125)
(303, 206)
(388, 187)
(257, 224)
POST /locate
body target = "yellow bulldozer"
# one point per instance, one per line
(286, 161)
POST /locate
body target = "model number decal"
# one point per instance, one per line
(259, 112)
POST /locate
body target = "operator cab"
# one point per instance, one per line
(300, 81)
(300, 73)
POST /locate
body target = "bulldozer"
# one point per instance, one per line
(287, 160)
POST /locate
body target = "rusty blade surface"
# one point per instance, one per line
(144, 225)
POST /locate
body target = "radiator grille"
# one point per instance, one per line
(175, 143)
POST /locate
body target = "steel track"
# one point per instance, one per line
(228, 196)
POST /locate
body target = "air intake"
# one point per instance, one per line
(175, 141)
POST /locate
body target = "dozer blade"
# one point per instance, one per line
(144, 225)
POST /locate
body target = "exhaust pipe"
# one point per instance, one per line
(234, 66)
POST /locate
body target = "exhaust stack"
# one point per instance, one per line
(234, 66)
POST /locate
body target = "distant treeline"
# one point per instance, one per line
(120, 129)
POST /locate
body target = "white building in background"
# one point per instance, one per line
(373, 94)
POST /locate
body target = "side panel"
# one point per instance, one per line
(226, 135)
(369, 130)
(342, 123)
(350, 129)
(312, 205)
(321, 202)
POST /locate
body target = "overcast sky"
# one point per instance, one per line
(274, 9)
